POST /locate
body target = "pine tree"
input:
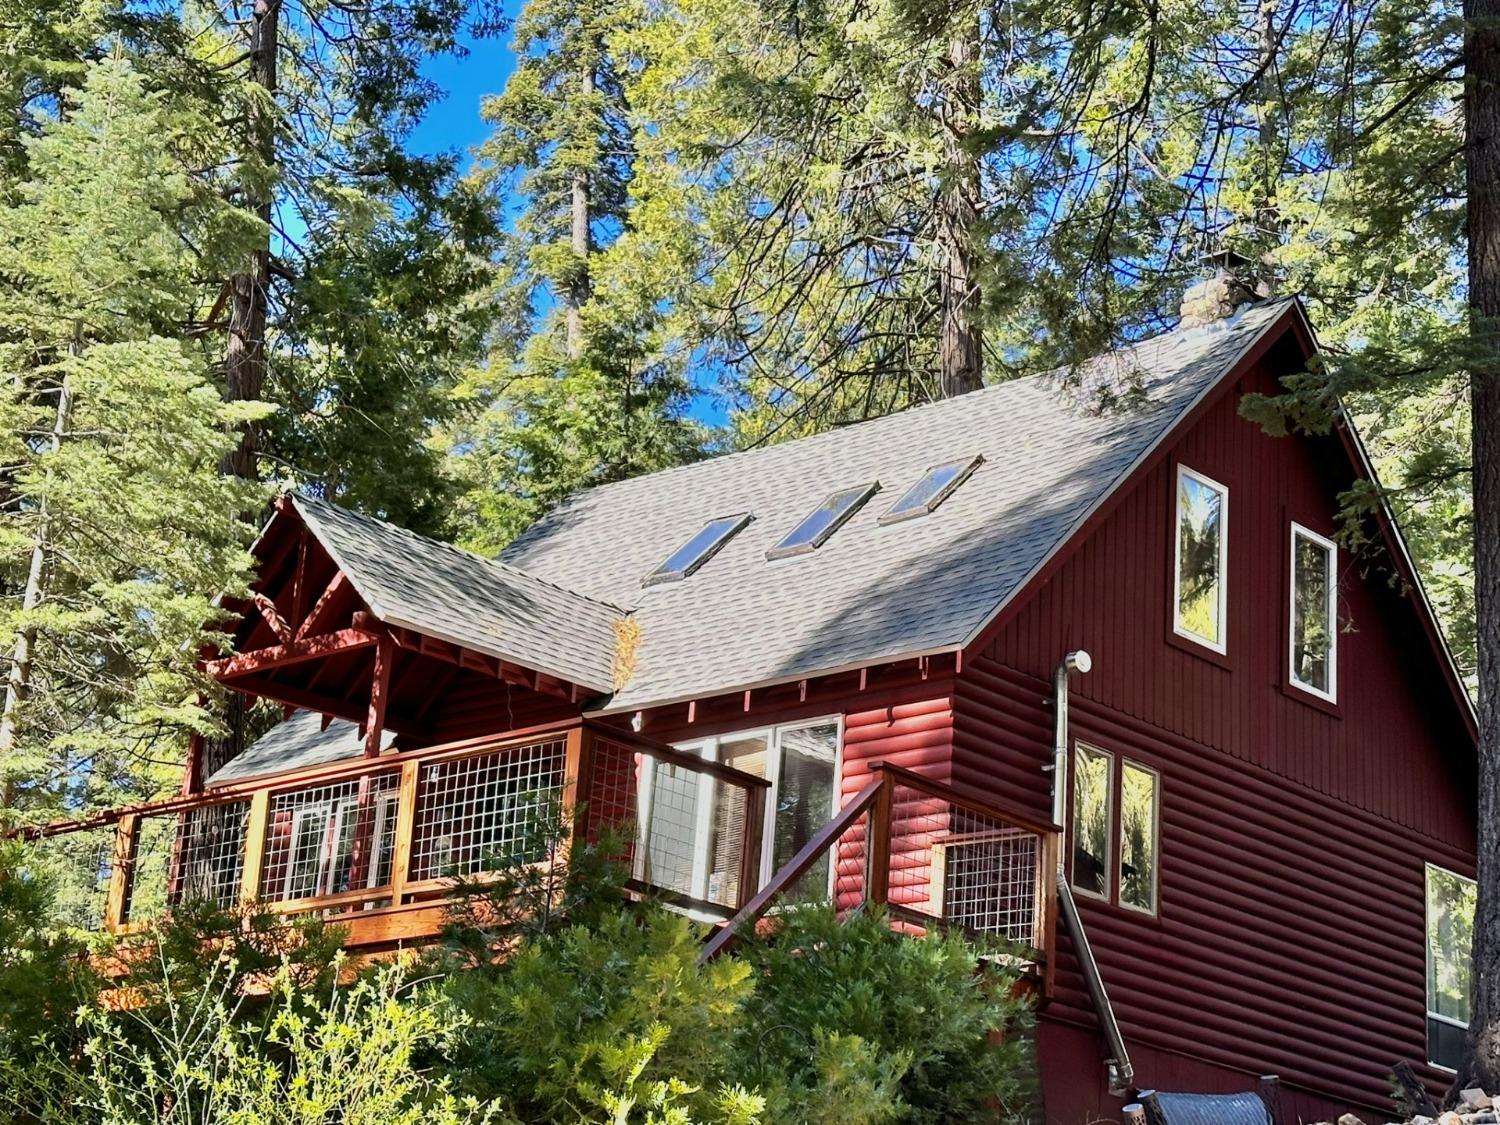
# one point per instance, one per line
(582, 384)
(118, 527)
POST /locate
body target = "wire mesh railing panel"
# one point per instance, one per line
(679, 828)
(612, 795)
(79, 865)
(970, 870)
(192, 856)
(330, 839)
(487, 812)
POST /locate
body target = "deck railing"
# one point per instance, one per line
(931, 857)
(381, 845)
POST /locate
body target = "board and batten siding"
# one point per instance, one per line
(1293, 834)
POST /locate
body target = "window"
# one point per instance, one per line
(936, 486)
(322, 847)
(829, 516)
(1093, 816)
(1450, 932)
(698, 550)
(1138, 837)
(1201, 558)
(1314, 613)
(1096, 795)
(694, 823)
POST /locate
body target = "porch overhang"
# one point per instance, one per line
(314, 633)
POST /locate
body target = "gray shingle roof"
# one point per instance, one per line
(873, 591)
(299, 741)
(457, 596)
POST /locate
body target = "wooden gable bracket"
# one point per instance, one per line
(323, 608)
(294, 652)
(273, 617)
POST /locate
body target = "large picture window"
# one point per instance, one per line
(1314, 609)
(693, 822)
(1200, 558)
(1450, 934)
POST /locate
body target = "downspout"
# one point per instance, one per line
(1121, 1073)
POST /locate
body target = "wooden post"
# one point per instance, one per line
(406, 827)
(578, 761)
(255, 846)
(751, 842)
(1048, 864)
(878, 842)
(363, 859)
(121, 872)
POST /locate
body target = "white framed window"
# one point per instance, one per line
(322, 847)
(1093, 818)
(692, 822)
(1200, 559)
(1313, 657)
(1140, 835)
(1450, 934)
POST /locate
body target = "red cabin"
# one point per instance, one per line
(854, 667)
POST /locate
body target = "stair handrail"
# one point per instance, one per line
(798, 866)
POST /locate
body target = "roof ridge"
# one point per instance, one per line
(302, 497)
(1204, 330)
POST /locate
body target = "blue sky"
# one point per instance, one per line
(454, 122)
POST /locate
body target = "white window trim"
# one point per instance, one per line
(1155, 907)
(708, 749)
(1221, 645)
(1331, 610)
(1109, 829)
(1427, 870)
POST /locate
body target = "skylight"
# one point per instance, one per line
(698, 550)
(827, 518)
(935, 487)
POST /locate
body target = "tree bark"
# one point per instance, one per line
(960, 339)
(245, 352)
(578, 287)
(1482, 150)
(18, 681)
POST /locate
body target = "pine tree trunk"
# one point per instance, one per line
(18, 681)
(960, 339)
(578, 287)
(1482, 134)
(245, 353)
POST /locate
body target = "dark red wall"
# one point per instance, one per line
(1293, 834)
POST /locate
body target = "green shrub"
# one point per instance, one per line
(614, 1022)
(347, 1059)
(853, 1023)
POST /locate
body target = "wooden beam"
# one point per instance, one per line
(281, 656)
(272, 617)
(380, 694)
(323, 608)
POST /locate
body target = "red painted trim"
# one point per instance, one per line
(279, 656)
(380, 694)
(272, 617)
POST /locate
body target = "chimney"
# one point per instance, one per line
(1231, 288)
